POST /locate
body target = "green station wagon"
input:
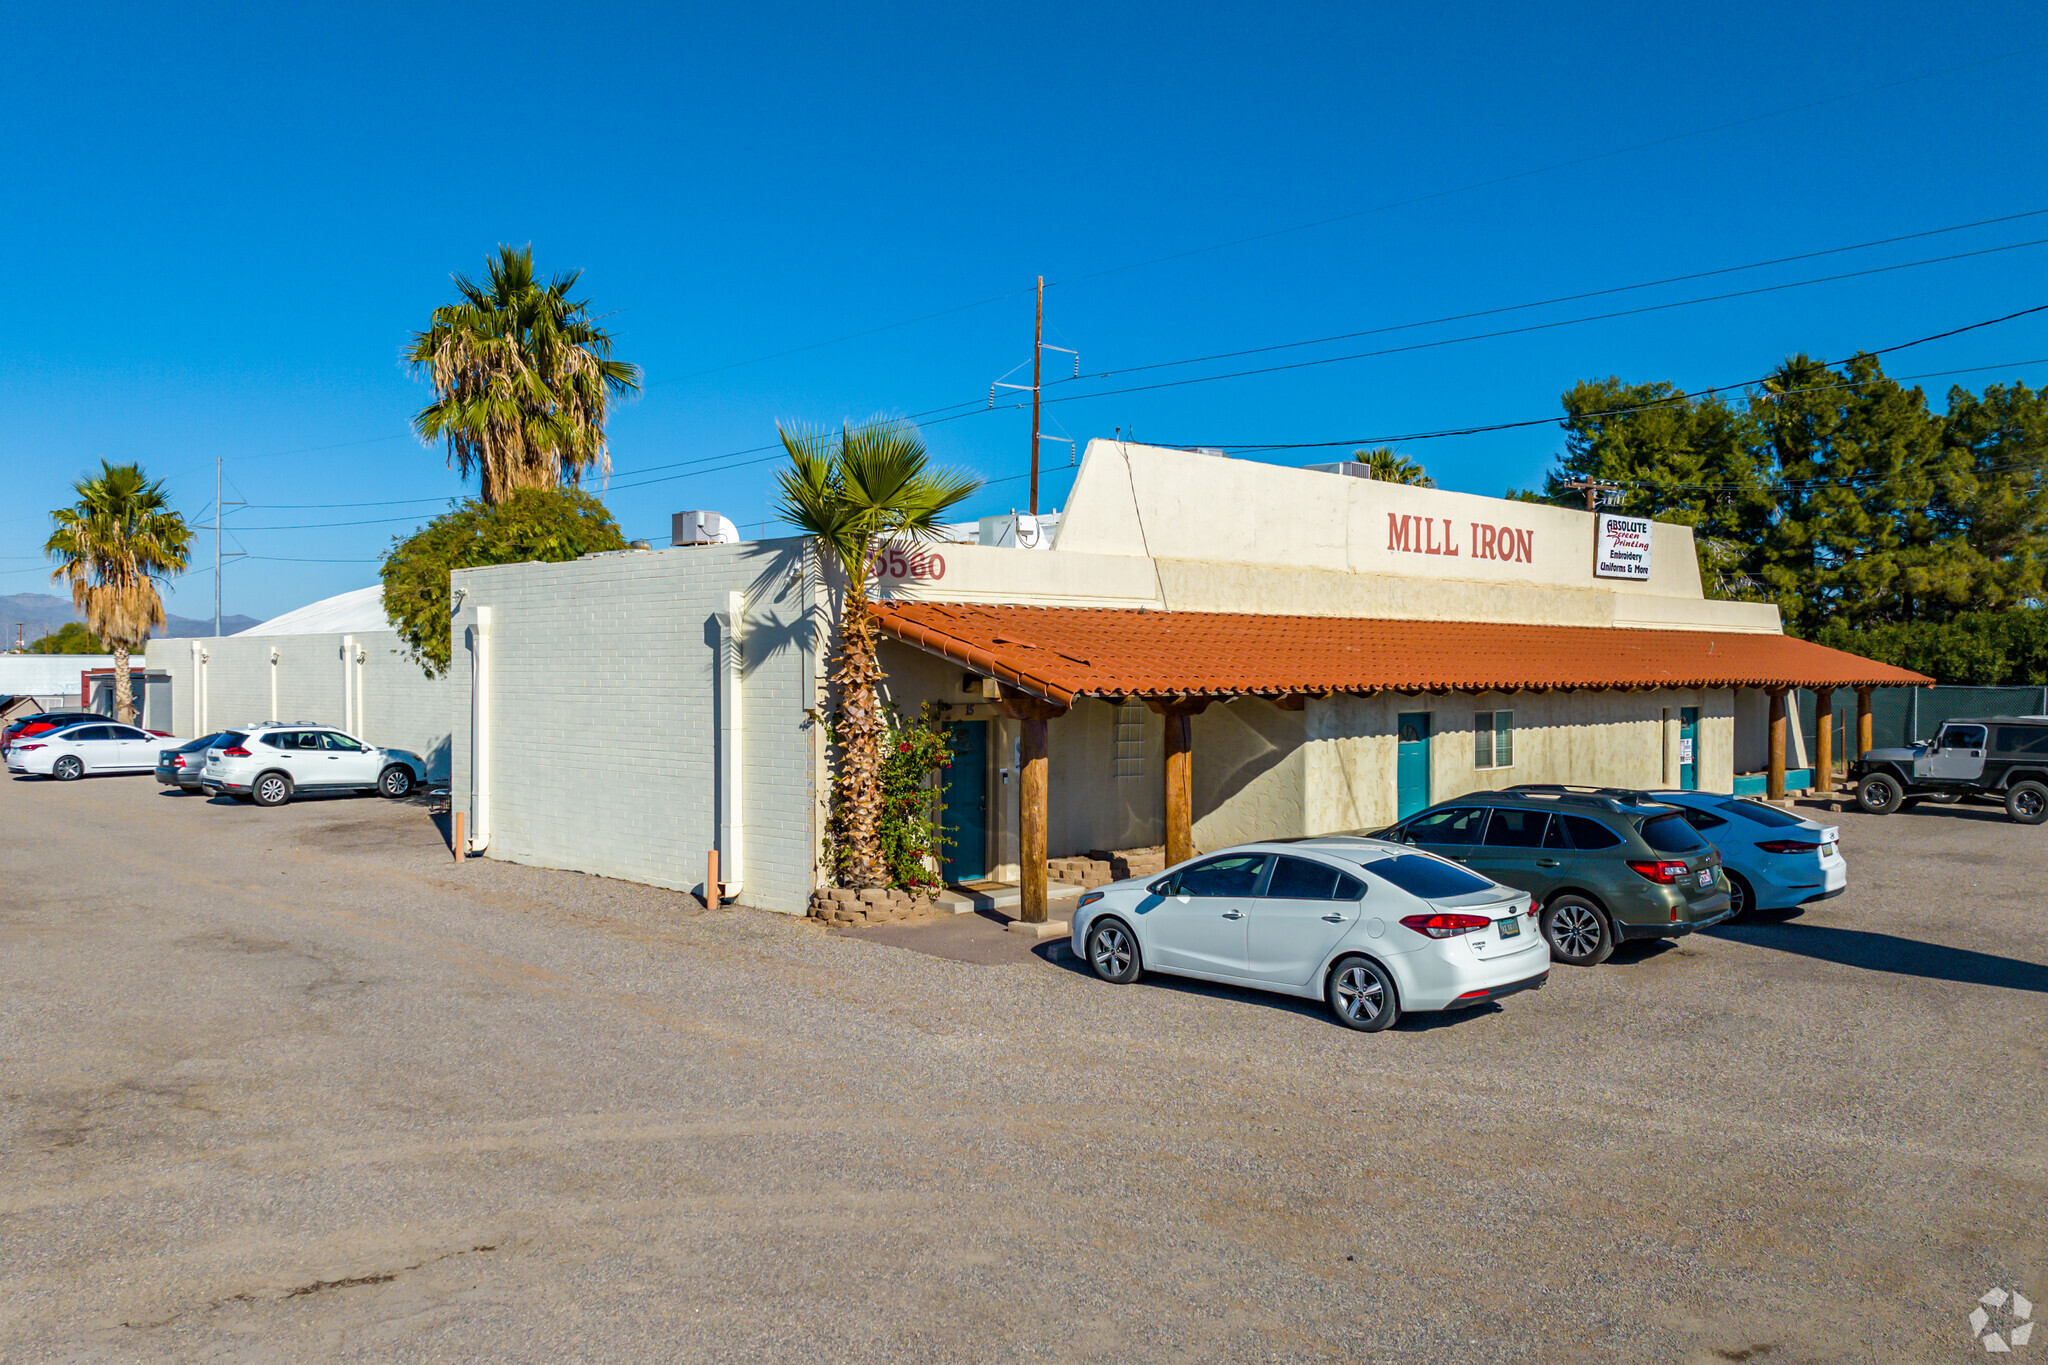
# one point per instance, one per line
(1605, 866)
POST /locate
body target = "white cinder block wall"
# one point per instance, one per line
(603, 719)
(401, 708)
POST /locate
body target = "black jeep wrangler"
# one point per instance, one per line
(2004, 758)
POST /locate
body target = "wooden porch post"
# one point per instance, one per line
(1031, 790)
(1180, 773)
(1774, 780)
(1861, 744)
(1032, 714)
(1823, 740)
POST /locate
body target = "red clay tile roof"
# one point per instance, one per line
(1059, 653)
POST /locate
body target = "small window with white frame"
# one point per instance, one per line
(1493, 739)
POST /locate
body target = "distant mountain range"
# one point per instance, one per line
(39, 613)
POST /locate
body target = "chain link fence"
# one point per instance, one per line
(1903, 715)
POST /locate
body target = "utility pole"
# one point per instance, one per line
(1596, 493)
(1038, 350)
(1037, 362)
(217, 555)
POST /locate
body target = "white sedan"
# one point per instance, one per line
(1373, 928)
(1774, 859)
(79, 750)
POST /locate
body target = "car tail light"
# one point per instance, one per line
(26, 747)
(237, 752)
(1664, 874)
(1445, 926)
(1788, 846)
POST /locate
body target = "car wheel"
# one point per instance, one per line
(1113, 952)
(68, 769)
(1362, 995)
(2027, 802)
(1577, 932)
(1879, 794)
(1741, 899)
(271, 789)
(396, 781)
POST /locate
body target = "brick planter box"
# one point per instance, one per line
(842, 908)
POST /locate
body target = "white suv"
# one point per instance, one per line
(268, 763)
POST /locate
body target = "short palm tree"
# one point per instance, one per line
(523, 380)
(1389, 467)
(120, 538)
(853, 491)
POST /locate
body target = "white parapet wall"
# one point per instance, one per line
(361, 681)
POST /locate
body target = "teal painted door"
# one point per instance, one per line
(1411, 764)
(1688, 749)
(965, 798)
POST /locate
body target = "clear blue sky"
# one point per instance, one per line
(221, 229)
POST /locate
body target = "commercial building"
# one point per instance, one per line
(1205, 650)
(335, 662)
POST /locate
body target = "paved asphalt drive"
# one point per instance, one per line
(290, 1085)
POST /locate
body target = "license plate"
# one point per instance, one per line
(1707, 877)
(1508, 927)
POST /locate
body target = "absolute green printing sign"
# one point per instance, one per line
(1621, 547)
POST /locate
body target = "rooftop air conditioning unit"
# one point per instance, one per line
(703, 528)
(1019, 531)
(1353, 468)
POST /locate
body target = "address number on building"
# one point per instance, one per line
(896, 562)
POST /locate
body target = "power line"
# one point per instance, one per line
(1573, 298)
(1382, 208)
(1546, 326)
(1560, 418)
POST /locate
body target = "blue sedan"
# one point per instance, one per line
(1774, 858)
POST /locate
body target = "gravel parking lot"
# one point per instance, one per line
(290, 1085)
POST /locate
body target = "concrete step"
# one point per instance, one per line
(961, 900)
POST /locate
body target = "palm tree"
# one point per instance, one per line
(523, 380)
(114, 545)
(852, 491)
(1389, 467)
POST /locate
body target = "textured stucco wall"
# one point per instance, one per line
(603, 714)
(1593, 738)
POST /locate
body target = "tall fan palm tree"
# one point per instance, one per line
(855, 491)
(120, 538)
(1389, 467)
(523, 380)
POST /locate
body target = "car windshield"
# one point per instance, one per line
(228, 739)
(203, 742)
(1671, 834)
(1762, 814)
(1429, 878)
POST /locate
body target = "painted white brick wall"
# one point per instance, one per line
(402, 708)
(604, 718)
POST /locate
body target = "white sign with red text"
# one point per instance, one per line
(1621, 547)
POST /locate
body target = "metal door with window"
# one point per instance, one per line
(1958, 755)
(1688, 749)
(1306, 907)
(1511, 851)
(1201, 926)
(349, 762)
(964, 801)
(1411, 764)
(137, 748)
(96, 747)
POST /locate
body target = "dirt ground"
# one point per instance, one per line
(291, 1085)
